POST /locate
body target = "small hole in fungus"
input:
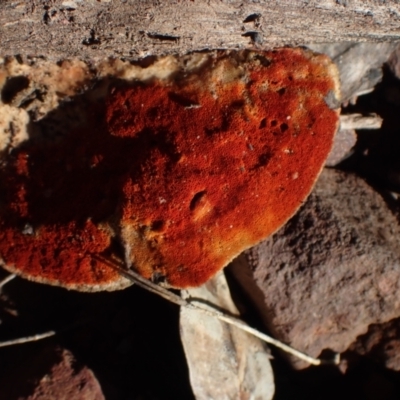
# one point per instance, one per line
(153, 113)
(284, 127)
(263, 123)
(12, 87)
(274, 123)
(281, 91)
(157, 226)
(196, 199)
(263, 60)
(238, 104)
(263, 159)
(181, 100)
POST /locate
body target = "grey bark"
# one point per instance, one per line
(92, 29)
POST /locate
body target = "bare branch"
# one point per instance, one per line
(6, 280)
(174, 298)
(28, 339)
(358, 121)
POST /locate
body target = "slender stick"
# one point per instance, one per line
(359, 121)
(6, 280)
(174, 298)
(27, 339)
(45, 335)
(178, 300)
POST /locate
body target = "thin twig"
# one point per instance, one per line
(45, 335)
(359, 121)
(6, 280)
(268, 339)
(28, 339)
(174, 298)
(178, 300)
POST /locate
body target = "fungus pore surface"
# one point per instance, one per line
(185, 171)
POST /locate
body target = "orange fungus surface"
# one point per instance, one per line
(184, 171)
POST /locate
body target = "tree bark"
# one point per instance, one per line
(93, 29)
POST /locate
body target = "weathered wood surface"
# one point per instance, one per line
(94, 29)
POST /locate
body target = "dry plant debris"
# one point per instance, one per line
(186, 168)
(238, 365)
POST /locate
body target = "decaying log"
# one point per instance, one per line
(93, 29)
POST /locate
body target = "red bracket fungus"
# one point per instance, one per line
(186, 171)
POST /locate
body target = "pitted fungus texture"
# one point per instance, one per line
(182, 170)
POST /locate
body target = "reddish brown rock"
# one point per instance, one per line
(52, 374)
(331, 271)
(382, 343)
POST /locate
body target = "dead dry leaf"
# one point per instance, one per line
(224, 362)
